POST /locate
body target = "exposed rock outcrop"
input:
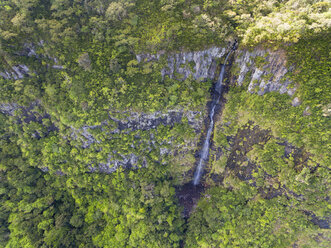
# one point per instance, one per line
(296, 102)
(200, 64)
(20, 71)
(143, 121)
(8, 108)
(265, 71)
(134, 122)
(125, 123)
(16, 72)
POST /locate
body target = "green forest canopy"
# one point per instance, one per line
(50, 198)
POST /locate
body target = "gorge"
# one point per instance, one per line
(205, 149)
(138, 123)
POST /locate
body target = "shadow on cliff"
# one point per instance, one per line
(189, 194)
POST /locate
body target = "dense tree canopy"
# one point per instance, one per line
(78, 168)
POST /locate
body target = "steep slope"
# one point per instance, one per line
(270, 159)
(106, 105)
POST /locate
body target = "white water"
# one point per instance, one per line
(204, 155)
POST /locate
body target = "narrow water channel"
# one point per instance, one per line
(204, 154)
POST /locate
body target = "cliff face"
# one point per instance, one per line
(137, 125)
(200, 64)
(16, 72)
(129, 125)
(20, 71)
(263, 71)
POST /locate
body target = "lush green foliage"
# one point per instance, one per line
(238, 219)
(83, 72)
(288, 162)
(77, 209)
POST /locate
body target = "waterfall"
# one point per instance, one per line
(204, 155)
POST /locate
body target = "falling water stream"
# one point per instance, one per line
(204, 155)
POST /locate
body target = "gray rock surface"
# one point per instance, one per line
(296, 102)
(8, 108)
(29, 50)
(126, 123)
(200, 64)
(16, 72)
(143, 121)
(265, 76)
(136, 121)
(270, 75)
(307, 111)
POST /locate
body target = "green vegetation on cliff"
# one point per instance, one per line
(94, 144)
(277, 154)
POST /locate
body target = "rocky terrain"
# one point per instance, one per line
(264, 70)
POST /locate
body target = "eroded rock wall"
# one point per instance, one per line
(200, 64)
(114, 128)
(20, 71)
(264, 71)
